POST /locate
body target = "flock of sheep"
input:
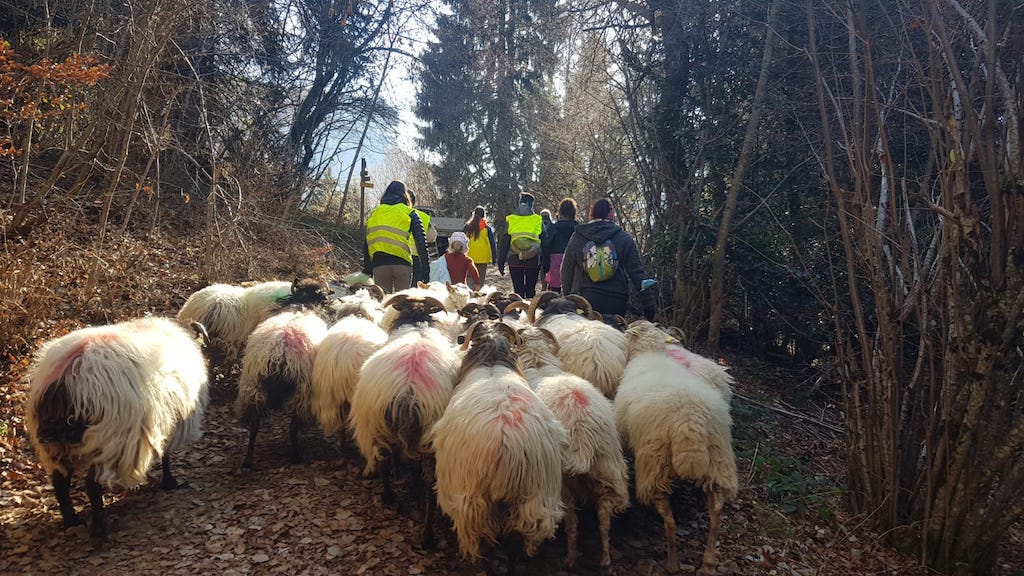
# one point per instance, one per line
(517, 413)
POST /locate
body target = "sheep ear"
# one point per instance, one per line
(422, 285)
(376, 292)
(451, 289)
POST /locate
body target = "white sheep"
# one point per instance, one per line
(678, 426)
(277, 369)
(588, 348)
(110, 400)
(363, 302)
(231, 313)
(498, 449)
(594, 468)
(339, 360)
(403, 389)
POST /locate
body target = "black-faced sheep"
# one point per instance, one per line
(403, 389)
(677, 424)
(498, 449)
(588, 348)
(110, 400)
(277, 370)
(230, 313)
(594, 468)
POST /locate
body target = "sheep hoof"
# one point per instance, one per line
(71, 522)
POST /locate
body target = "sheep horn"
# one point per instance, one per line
(467, 336)
(376, 292)
(397, 300)
(201, 332)
(492, 311)
(433, 304)
(594, 315)
(582, 303)
(676, 332)
(539, 301)
(517, 306)
(510, 333)
(551, 338)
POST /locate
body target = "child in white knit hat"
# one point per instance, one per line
(459, 265)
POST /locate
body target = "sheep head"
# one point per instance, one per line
(413, 309)
(503, 299)
(307, 291)
(554, 303)
(514, 308)
(489, 343)
(537, 348)
(644, 336)
(201, 335)
(474, 311)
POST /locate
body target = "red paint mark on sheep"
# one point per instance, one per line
(417, 363)
(680, 355)
(76, 352)
(295, 339)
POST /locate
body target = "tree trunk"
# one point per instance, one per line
(717, 295)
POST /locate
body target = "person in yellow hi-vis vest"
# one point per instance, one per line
(482, 249)
(429, 232)
(386, 253)
(520, 247)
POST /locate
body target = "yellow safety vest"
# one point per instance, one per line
(480, 247)
(387, 231)
(528, 227)
(425, 219)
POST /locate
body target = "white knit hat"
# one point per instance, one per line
(456, 240)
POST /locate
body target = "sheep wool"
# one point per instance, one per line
(408, 383)
(219, 308)
(497, 442)
(590, 349)
(336, 369)
(283, 346)
(594, 467)
(679, 428)
(136, 389)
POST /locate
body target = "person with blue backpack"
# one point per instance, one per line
(602, 264)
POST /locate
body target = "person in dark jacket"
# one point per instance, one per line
(556, 237)
(523, 225)
(386, 253)
(610, 296)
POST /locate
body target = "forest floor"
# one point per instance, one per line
(321, 517)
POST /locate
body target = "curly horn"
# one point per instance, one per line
(539, 301)
(517, 306)
(376, 292)
(551, 338)
(200, 332)
(492, 311)
(510, 333)
(467, 336)
(397, 300)
(433, 304)
(582, 303)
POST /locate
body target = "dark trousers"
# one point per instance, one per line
(606, 304)
(524, 280)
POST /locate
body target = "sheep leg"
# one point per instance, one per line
(387, 466)
(98, 528)
(665, 509)
(254, 427)
(427, 473)
(715, 503)
(293, 433)
(604, 521)
(62, 489)
(167, 481)
(572, 528)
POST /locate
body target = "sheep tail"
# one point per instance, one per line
(690, 442)
(279, 385)
(403, 417)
